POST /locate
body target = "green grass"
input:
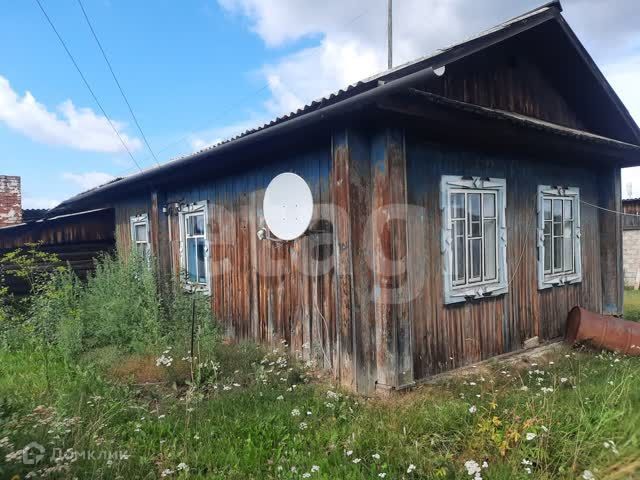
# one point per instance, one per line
(261, 429)
(632, 305)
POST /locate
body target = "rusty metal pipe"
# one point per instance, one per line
(603, 331)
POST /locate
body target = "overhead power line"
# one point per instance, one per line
(104, 55)
(75, 64)
(240, 101)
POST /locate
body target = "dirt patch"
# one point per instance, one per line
(142, 369)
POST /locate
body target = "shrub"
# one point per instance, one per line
(119, 305)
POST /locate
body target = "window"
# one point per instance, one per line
(140, 234)
(194, 246)
(559, 258)
(473, 237)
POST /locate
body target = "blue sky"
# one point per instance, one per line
(197, 71)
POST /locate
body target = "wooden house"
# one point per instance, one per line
(456, 210)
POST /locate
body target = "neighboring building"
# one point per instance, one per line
(77, 238)
(454, 211)
(631, 242)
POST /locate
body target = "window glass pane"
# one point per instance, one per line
(557, 229)
(489, 205)
(547, 252)
(568, 209)
(458, 250)
(568, 246)
(140, 232)
(489, 249)
(190, 225)
(198, 225)
(547, 228)
(557, 211)
(557, 254)
(546, 207)
(201, 269)
(457, 205)
(191, 259)
(460, 259)
(476, 259)
(474, 207)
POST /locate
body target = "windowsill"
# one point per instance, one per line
(195, 288)
(480, 291)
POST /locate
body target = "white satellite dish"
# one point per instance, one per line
(288, 206)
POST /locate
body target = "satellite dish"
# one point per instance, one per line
(288, 206)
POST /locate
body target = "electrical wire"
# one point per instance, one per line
(262, 88)
(609, 210)
(115, 78)
(73, 60)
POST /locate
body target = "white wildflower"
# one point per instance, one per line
(473, 409)
(357, 460)
(382, 475)
(587, 475)
(376, 456)
(295, 412)
(411, 468)
(531, 435)
(182, 466)
(348, 453)
(166, 472)
(473, 468)
(315, 468)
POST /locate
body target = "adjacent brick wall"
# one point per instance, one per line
(631, 256)
(10, 200)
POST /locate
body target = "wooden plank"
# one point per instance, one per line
(398, 202)
(342, 232)
(362, 278)
(611, 241)
(383, 272)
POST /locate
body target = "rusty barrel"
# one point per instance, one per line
(603, 331)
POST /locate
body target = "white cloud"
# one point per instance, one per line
(89, 179)
(39, 202)
(351, 42)
(352, 37)
(207, 138)
(624, 76)
(69, 126)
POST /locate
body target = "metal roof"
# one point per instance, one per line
(437, 59)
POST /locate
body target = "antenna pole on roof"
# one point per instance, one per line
(390, 34)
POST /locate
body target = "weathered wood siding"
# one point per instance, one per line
(78, 240)
(501, 77)
(136, 205)
(451, 336)
(263, 290)
(362, 293)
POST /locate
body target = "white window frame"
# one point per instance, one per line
(185, 212)
(134, 221)
(548, 279)
(456, 293)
